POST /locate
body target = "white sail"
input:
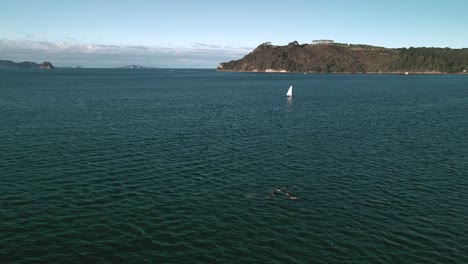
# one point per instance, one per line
(289, 94)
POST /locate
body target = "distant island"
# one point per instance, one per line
(136, 67)
(25, 64)
(326, 56)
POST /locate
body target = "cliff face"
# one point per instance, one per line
(336, 57)
(25, 64)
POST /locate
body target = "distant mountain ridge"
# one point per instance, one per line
(330, 57)
(25, 64)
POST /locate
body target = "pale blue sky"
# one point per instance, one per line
(180, 33)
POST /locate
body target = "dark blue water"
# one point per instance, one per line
(177, 166)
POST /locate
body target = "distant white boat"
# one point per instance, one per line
(289, 93)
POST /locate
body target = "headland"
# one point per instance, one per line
(330, 57)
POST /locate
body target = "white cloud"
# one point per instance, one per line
(63, 53)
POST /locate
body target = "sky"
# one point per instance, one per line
(204, 33)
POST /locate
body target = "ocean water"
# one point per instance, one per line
(176, 166)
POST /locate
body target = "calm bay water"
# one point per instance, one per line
(176, 167)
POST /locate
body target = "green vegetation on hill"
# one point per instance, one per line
(25, 64)
(339, 57)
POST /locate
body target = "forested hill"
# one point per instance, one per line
(348, 58)
(25, 64)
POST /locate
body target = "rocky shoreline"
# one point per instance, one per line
(376, 73)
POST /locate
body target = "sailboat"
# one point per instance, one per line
(289, 93)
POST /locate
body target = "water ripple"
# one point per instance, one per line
(116, 168)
